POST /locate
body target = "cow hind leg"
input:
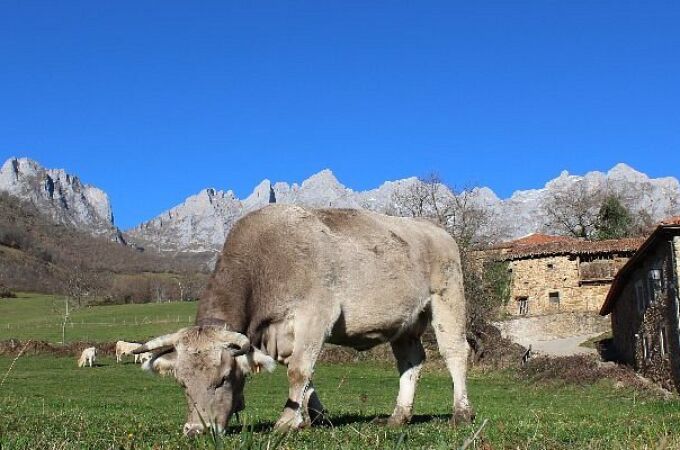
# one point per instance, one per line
(448, 321)
(410, 355)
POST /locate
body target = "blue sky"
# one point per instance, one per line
(153, 101)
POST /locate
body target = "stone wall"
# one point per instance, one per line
(552, 326)
(536, 278)
(638, 325)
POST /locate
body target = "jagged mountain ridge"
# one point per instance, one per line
(60, 195)
(201, 223)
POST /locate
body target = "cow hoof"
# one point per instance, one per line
(391, 421)
(287, 423)
(462, 417)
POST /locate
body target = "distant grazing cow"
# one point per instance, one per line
(290, 279)
(162, 366)
(144, 357)
(126, 348)
(88, 356)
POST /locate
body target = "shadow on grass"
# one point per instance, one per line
(340, 421)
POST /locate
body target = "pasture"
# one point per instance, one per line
(40, 317)
(47, 402)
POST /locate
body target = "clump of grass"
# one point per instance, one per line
(579, 370)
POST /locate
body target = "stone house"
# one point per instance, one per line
(559, 274)
(643, 304)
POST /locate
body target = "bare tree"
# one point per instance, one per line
(459, 211)
(574, 212)
(80, 284)
(426, 197)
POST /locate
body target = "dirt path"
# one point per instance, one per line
(562, 347)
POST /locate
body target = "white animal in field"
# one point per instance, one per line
(144, 357)
(163, 366)
(87, 357)
(290, 279)
(126, 348)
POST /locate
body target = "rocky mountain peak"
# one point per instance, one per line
(262, 195)
(202, 221)
(623, 171)
(324, 178)
(60, 195)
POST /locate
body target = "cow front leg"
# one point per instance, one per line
(306, 349)
(316, 414)
(299, 379)
(410, 355)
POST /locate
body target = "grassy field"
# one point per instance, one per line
(39, 317)
(46, 402)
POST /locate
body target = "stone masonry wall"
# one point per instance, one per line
(632, 327)
(536, 278)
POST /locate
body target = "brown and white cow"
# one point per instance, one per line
(290, 279)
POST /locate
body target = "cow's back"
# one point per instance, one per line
(378, 270)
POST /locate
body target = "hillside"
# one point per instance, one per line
(39, 254)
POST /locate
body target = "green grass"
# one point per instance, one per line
(47, 402)
(592, 342)
(39, 317)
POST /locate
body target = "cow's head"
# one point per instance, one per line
(210, 363)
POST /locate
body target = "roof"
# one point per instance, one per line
(540, 245)
(535, 239)
(668, 227)
(675, 220)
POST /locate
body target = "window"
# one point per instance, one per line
(523, 304)
(551, 266)
(640, 296)
(554, 298)
(654, 285)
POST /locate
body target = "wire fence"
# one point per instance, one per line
(128, 321)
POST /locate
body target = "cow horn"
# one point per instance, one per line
(238, 340)
(165, 341)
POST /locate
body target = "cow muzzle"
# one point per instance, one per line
(194, 429)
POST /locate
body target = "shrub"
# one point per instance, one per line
(5, 292)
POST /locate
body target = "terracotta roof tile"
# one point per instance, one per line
(675, 220)
(546, 245)
(534, 239)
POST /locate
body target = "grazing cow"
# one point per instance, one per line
(144, 357)
(162, 366)
(290, 279)
(126, 348)
(87, 357)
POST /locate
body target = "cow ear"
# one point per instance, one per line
(161, 364)
(255, 362)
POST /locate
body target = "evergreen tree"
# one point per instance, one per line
(614, 221)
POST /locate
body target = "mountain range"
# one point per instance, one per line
(201, 223)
